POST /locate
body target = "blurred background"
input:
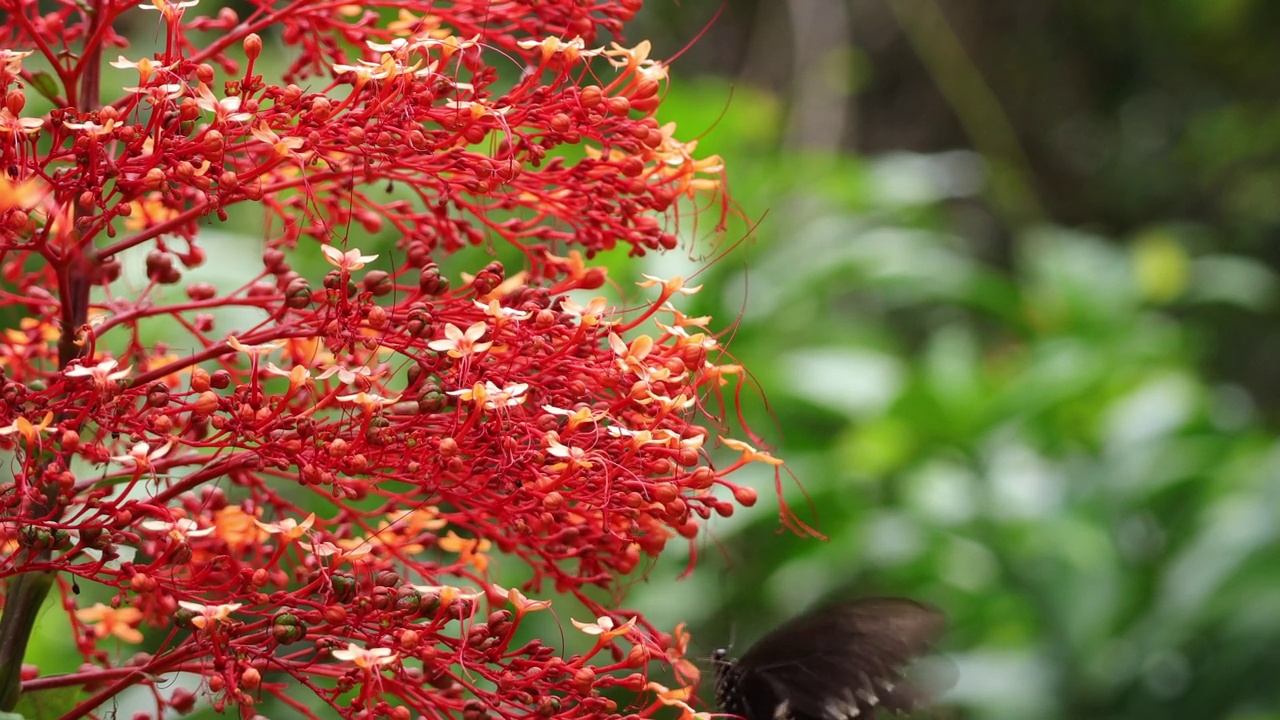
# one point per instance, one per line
(1012, 305)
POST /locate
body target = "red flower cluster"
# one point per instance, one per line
(295, 488)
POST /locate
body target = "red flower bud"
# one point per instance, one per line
(591, 96)
(14, 101)
(745, 496)
(619, 106)
(182, 700)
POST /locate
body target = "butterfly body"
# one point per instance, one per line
(840, 662)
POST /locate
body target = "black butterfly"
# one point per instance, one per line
(840, 662)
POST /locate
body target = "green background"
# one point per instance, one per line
(1012, 304)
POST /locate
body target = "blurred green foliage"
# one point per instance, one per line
(1061, 430)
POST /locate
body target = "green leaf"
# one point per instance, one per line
(44, 83)
(49, 704)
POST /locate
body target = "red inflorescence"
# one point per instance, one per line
(295, 487)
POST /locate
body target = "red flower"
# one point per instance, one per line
(427, 433)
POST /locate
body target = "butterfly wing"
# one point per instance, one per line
(839, 662)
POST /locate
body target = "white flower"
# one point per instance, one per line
(491, 396)
(365, 658)
(368, 401)
(495, 310)
(260, 349)
(457, 343)
(209, 614)
(103, 374)
(349, 260)
(179, 529)
(142, 456)
(604, 627)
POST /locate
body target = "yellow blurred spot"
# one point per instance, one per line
(1161, 267)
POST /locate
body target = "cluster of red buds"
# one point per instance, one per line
(300, 492)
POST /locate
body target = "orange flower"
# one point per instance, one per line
(576, 417)
(423, 518)
(669, 287)
(262, 349)
(471, 549)
(350, 550)
(631, 357)
(288, 528)
(237, 528)
(750, 454)
(605, 627)
(522, 603)
(686, 671)
(29, 431)
(589, 315)
(573, 456)
(106, 620)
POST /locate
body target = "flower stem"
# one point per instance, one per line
(22, 603)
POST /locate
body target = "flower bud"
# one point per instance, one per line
(182, 700)
(298, 293)
(206, 403)
(14, 101)
(18, 220)
(635, 682)
(638, 656)
(591, 96)
(154, 179)
(619, 106)
(157, 395)
(183, 618)
(253, 46)
(701, 479)
(409, 639)
(646, 88)
(344, 590)
(378, 282)
(431, 282)
(214, 142)
(201, 291)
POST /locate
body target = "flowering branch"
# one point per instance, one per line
(313, 491)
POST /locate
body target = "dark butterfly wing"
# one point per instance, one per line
(836, 663)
